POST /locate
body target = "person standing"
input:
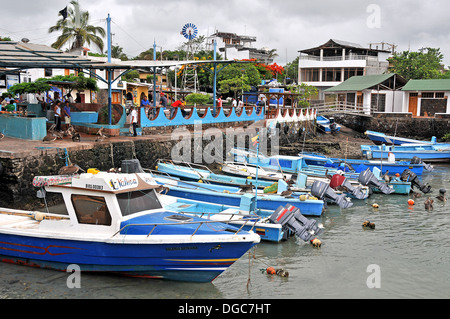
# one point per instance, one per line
(57, 110)
(66, 112)
(134, 120)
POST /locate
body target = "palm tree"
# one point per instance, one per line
(76, 27)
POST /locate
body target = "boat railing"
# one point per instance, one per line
(200, 222)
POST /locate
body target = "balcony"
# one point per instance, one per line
(339, 57)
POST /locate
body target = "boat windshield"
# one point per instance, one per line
(138, 201)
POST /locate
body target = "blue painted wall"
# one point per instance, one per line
(30, 128)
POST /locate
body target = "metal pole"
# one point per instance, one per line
(108, 21)
(154, 74)
(215, 78)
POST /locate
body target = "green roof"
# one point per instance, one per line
(360, 82)
(427, 85)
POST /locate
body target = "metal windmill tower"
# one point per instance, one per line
(190, 79)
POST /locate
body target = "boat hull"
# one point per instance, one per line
(195, 261)
(427, 156)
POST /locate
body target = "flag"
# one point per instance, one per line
(63, 12)
(255, 139)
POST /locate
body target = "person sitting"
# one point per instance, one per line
(11, 106)
(180, 105)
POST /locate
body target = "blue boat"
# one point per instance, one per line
(241, 216)
(379, 138)
(426, 152)
(358, 166)
(116, 224)
(231, 196)
(290, 164)
(327, 125)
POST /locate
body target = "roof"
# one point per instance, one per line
(361, 82)
(427, 85)
(334, 43)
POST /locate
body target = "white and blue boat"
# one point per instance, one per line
(327, 125)
(232, 195)
(358, 166)
(115, 223)
(379, 138)
(426, 152)
(240, 217)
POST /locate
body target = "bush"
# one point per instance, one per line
(197, 98)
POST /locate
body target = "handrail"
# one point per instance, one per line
(200, 222)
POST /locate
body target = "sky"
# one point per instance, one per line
(285, 25)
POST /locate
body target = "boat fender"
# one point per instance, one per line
(270, 271)
(39, 216)
(302, 197)
(367, 224)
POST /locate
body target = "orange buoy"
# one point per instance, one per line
(271, 271)
(410, 202)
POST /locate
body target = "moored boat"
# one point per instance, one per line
(379, 138)
(115, 223)
(426, 152)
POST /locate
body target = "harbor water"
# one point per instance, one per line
(407, 255)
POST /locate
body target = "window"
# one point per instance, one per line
(331, 74)
(91, 210)
(439, 95)
(378, 102)
(310, 75)
(138, 201)
(428, 95)
(48, 72)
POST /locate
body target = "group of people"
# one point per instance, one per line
(8, 103)
(61, 112)
(151, 110)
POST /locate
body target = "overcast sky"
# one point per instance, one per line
(285, 25)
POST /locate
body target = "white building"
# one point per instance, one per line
(232, 46)
(336, 61)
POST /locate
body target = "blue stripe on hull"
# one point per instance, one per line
(200, 262)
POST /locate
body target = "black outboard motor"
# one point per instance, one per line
(333, 126)
(292, 220)
(339, 181)
(417, 160)
(409, 176)
(367, 178)
(323, 191)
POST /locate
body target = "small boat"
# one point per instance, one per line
(381, 138)
(327, 125)
(232, 196)
(426, 152)
(236, 216)
(115, 223)
(356, 165)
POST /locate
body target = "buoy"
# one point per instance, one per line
(39, 216)
(302, 197)
(410, 202)
(200, 181)
(375, 205)
(271, 271)
(156, 167)
(315, 242)
(368, 224)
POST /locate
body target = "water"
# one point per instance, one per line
(410, 246)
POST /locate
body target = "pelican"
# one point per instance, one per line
(70, 169)
(49, 138)
(429, 204)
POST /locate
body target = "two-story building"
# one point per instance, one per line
(335, 61)
(239, 47)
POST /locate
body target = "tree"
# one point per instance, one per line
(307, 91)
(117, 53)
(76, 28)
(417, 65)
(234, 85)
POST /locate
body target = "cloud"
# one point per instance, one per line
(285, 25)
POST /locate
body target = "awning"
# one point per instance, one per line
(361, 82)
(427, 85)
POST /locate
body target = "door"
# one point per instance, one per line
(412, 105)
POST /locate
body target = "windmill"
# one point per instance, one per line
(190, 78)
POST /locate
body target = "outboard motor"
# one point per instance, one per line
(291, 219)
(333, 126)
(367, 178)
(341, 181)
(131, 166)
(417, 160)
(323, 191)
(409, 176)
